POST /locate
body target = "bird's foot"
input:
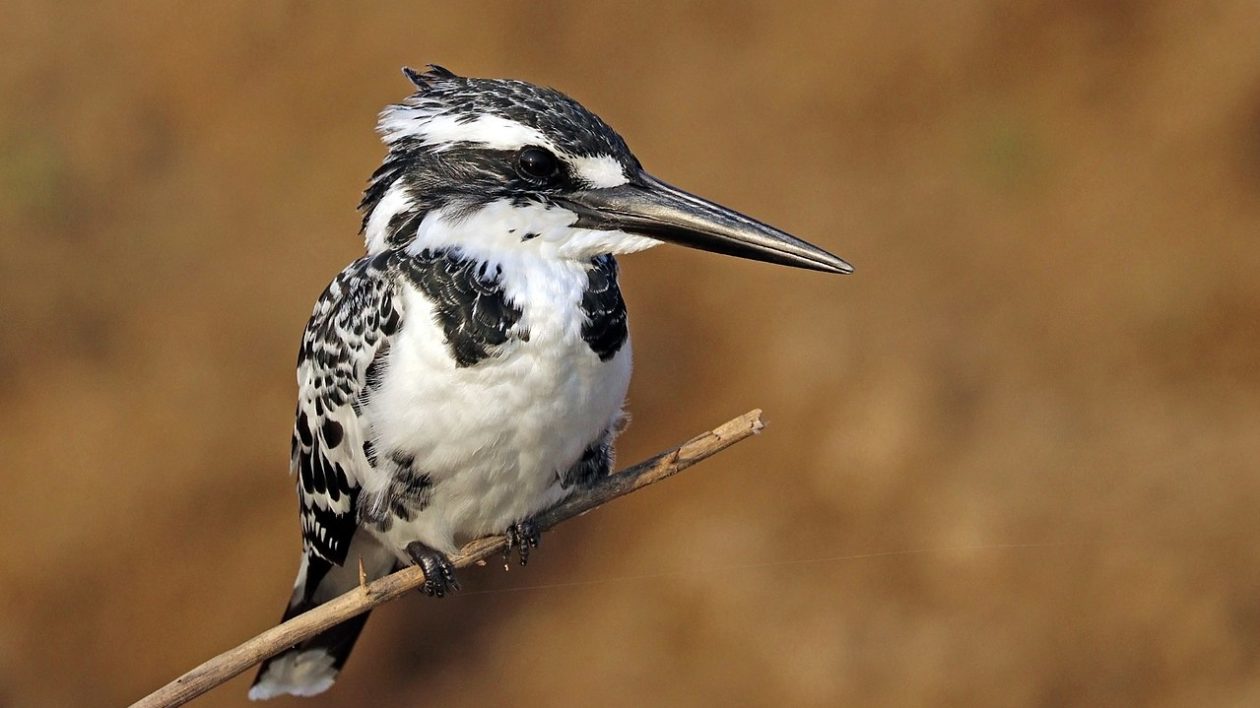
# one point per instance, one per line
(439, 574)
(522, 535)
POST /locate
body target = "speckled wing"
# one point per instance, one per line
(349, 331)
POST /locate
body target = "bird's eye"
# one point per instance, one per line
(537, 164)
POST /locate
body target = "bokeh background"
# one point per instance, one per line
(1012, 461)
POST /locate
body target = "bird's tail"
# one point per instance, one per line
(311, 666)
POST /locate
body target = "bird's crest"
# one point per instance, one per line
(423, 81)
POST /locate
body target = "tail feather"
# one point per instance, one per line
(311, 666)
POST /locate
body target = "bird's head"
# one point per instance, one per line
(496, 166)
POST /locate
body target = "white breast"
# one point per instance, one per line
(494, 436)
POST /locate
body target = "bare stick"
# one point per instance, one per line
(365, 597)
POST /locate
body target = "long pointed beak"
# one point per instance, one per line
(650, 207)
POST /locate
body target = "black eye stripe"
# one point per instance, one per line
(461, 175)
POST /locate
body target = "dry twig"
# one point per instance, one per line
(271, 642)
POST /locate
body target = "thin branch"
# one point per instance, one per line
(363, 598)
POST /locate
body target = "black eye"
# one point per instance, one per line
(535, 163)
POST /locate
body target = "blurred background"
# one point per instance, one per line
(1012, 461)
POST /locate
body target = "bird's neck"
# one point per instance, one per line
(527, 252)
(548, 293)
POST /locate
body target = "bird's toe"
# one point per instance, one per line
(439, 574)
(521, 536)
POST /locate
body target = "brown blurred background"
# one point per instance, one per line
(1012, 461)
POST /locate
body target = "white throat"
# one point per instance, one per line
(502, 231)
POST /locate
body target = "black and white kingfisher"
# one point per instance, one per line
(469, 371)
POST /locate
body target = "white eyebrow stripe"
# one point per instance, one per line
(599, 170)
(491, 131)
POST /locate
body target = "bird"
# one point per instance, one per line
(470, 369)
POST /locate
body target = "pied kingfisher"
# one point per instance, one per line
(469, 371)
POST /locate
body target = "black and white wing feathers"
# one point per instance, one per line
(349, 331)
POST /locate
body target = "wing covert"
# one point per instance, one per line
(350, 328)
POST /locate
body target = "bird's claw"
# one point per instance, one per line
(522, 535)
(439, 574)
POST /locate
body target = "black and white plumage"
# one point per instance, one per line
(470, 370)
